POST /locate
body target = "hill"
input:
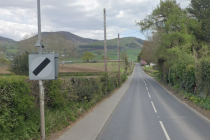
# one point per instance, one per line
(131, 45)
(125, 43)
(4, 40)
(77, 40)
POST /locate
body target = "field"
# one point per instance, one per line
(112, 54)
(3, 70)
(113, 42)
(81, 67)
(12, 50)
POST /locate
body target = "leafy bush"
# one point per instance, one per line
(86, 88)
(65, 100)
(203, 76)
(20, 65)
(188, 79)
(55, 96)
(16, 106)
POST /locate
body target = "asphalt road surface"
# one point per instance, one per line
(148, 112)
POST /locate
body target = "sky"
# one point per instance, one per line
(81, 17)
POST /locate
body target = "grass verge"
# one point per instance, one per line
(198, 103)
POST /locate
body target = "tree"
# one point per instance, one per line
(27, 44)
(2, 49)
(99, 52)
(87, 56)
(149, 48)
(4, 62)
(124, 57)
(53, 43)
(172, 26)
(102, 57)
(139, 56)
(56, 43)
(20, 65)
(200, 9)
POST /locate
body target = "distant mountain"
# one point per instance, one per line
(4, 40)
(77, 40)
(69, 36)
(125, 43)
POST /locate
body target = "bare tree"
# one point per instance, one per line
(53, 43)
(27, 44)
(149, 48)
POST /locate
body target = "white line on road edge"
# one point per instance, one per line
(147, 88)
(164, 130)
(149, 95)
(154, 107)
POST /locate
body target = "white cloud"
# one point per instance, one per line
(81, 17)
(15, 31)
(121, 14)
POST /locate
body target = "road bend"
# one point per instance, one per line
(148, 112)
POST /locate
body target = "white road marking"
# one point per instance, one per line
(147, 88)
(149, 95)
(164, 130)
(154, 107)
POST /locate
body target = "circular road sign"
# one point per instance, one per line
(41, 67)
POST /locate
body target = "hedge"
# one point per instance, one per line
(65, 100)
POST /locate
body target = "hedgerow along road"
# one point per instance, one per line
(148, 112)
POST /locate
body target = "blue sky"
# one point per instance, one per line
(81, 17)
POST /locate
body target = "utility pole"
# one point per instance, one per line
(41, 87)
(118, 59)
(105, 49)
(132, 63)
(124, 63)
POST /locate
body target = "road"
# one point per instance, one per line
(148, 112)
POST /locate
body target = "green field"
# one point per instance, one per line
(111, 65)
(114, 42)
(132, 54)
(12, 50)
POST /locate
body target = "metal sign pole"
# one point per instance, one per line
(41, 87)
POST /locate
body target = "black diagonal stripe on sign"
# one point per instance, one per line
(41, 66)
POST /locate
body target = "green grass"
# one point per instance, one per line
(111, 65)
(113, 42)
(133, 53)
(149, 70)
(203, 102)
(112, 54)
(12, 50)
(196, 99)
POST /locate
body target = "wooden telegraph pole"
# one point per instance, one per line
(118, 59)
(105, 49)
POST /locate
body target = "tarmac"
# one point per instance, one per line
(91, 125)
